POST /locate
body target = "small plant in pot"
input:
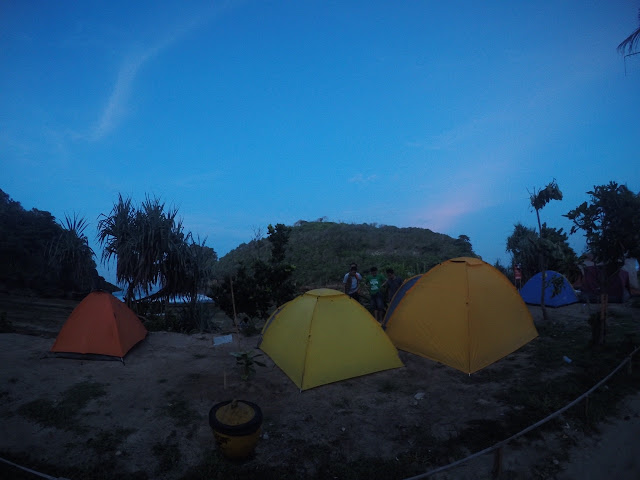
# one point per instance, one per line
(247, 362)
(236, 424)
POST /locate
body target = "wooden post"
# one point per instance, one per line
(233, 303)
(497, 463)
(586, 407)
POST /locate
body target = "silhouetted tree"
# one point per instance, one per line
(538, 200)
(149, 246)
(38, 254)
(265, 285)
(71, 254)
(611, 225)
(524, 243)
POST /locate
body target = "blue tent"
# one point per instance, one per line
(531, 291)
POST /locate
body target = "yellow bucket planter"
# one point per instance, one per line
(236, 427)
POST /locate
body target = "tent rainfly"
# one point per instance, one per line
(324, 336)
(564, 295)
(463, 313)
(100, 325)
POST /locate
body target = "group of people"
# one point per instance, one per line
(381, 289)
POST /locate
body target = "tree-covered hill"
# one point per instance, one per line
(322, 251)
(42, 256)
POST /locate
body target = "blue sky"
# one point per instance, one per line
(442, 115)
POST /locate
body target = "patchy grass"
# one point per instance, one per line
(5, 324)
(387, 386)
(107, 441)
(342, 402)
(63, 412)
(216, 467)
(168, 453)
(106, 469)
(179, 410)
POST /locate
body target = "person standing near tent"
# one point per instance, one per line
(374, 283)
(392, 284)
(351, 282)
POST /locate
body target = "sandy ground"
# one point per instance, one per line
(615, 453)
(163, 393)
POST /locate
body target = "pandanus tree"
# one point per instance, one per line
(72, 256)
(117, 236)
(198, 265)
(149, 246)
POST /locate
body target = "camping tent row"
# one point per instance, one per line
(463, 313)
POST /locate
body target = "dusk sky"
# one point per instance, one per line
(441, 115)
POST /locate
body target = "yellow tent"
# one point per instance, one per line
(463, 313)
(325, 336)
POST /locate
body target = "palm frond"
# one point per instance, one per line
(629, 44)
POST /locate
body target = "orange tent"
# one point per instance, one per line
(102, 325)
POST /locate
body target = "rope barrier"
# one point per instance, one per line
(43, 475)
(529, 428)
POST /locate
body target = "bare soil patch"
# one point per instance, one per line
(148, 418)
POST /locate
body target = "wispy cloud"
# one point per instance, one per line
(116, 106)
(361, 179)
(197, 179)
(471, 132)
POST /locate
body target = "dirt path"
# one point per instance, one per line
(615, 453)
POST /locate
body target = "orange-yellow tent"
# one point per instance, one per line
(101, 325)
(463, 313)
(325, 336)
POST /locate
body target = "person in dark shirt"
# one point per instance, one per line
(392, 284)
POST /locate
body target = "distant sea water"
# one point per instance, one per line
(182, 299)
